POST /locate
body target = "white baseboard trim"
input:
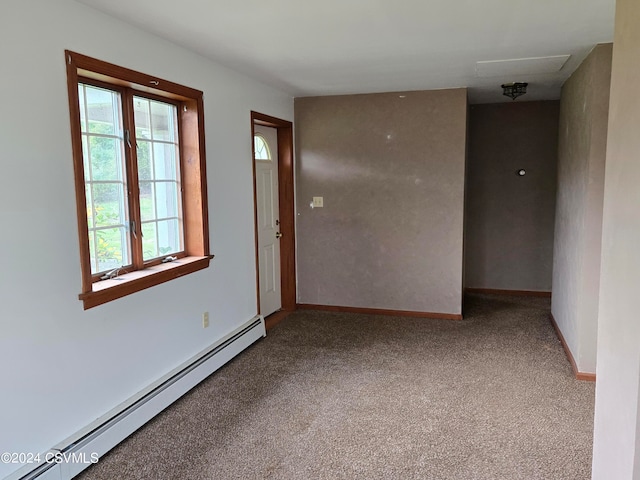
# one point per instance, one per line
(78, 451)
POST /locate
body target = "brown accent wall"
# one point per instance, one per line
(391, 169)
(510, 218)
(584, 110)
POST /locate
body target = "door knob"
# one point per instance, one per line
(278, 235)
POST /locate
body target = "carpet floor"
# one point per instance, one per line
(350, 396)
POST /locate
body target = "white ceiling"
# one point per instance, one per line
(330, 47)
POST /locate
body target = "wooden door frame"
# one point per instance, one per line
(286, 210)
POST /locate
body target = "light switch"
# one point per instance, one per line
(317, 202)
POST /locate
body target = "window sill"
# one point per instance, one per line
(108, 290)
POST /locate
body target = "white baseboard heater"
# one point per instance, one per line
(78, 451)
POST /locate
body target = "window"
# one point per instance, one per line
(139, 163)
(261, 148)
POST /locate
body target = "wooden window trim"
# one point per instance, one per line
(196, 254)
(108, 290)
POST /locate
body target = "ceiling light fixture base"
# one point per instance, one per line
(514, 90)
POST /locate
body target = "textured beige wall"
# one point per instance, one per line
(581, 162)
(510, 219)
(391, 171)
(616, 450)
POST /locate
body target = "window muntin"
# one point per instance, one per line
(261, 149)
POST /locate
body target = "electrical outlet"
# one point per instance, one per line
(205, 319)
(318, 202)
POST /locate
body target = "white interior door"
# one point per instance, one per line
(266, 159)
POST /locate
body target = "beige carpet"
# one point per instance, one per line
(347, 396)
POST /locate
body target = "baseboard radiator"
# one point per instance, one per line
(78, 452)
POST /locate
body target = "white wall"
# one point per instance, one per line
(63, 367)
(581, 163)
(616, 436)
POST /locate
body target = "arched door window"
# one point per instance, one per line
(261, 148)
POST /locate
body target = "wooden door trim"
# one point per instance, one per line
(286, 210)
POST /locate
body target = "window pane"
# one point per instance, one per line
(142, 119)
(261, 148)
(108, 204)
(102, 110)
(147, 201)
(164, 161)
(161, 238)
(149, 242)
(167, 199)
(144, 160)
(111, 248)
(169, 237)
(162, 121)
(106, 158)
